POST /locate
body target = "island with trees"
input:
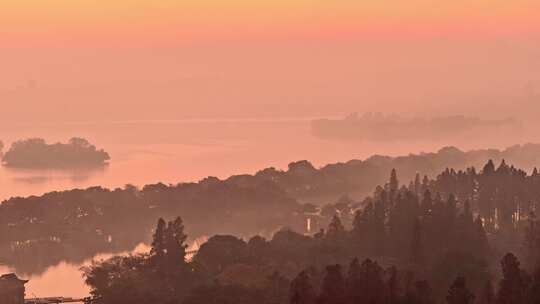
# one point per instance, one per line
(36, 153)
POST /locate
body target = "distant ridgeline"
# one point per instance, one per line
(358, 178)
(77, 224)
(36, 153)
(378, 127)
(437, 241)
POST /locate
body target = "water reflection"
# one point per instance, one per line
(32, 180)
(35, 257)
(45, 282)
(42, 176)
(68, 273)
(168, 152)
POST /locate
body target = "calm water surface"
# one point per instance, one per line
(62, 280)
(172, 152)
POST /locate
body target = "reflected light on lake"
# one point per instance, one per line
(186, 151)
(179, 151)
(47, 284)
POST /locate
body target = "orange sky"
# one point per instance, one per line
(147, 22)
(148, 59)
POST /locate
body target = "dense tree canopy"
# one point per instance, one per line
(36, 153)
(423, 235)
(438, 241)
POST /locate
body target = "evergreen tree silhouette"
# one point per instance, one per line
(532, 242)
(417, 246)
(487, 295)
(427, 204)
(425, 183)
(459, 293)
(417, 184)
(365, 283)
(175, 243)
(354, 280)
(392, 286)
(512, 285)
(481, 244)
(301, 291)
(333, 286)
(158, 249)
(393, 184)
(533, 294)
(335, 228)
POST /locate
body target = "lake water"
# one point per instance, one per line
(63, 279)
(177, 151)
(66, 279)
(145, 152)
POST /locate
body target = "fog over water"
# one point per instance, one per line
(46, 284)
(176, 91)
(145, 152)
(144, 107)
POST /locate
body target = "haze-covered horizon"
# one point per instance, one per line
(231, 120)
(289, 59)
(494, 79)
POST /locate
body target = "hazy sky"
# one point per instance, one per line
(128, 59)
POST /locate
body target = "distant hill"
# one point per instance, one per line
(358, 178)
(379, 127)
(35, 153)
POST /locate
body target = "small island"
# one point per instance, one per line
(36, 153)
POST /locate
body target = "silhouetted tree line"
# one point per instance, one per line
(37, 232)
(436, 241)
(229, 270)
(161, 276)
(77, 224)
(358, 178)
(502, 195)
(368, 282)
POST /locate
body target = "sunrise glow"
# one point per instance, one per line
(139, 22)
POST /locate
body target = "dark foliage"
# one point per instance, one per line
(36, 153)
